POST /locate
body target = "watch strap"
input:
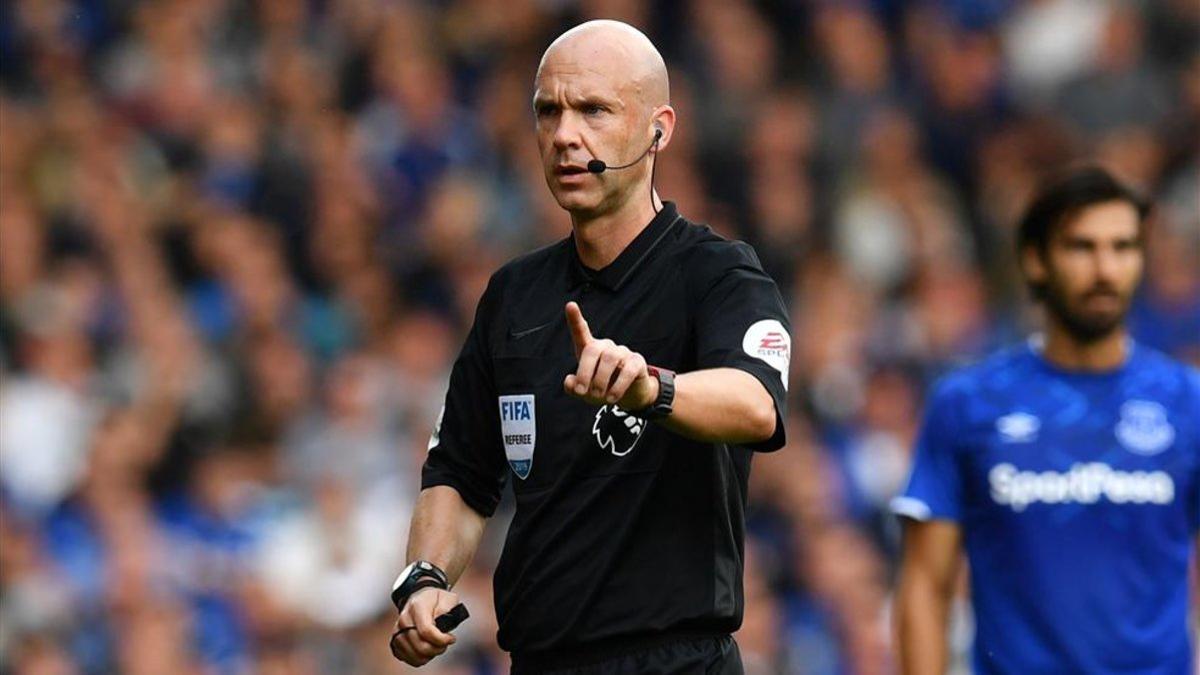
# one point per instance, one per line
(420, 574)
(663, 404)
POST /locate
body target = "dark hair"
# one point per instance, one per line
(1067, 195)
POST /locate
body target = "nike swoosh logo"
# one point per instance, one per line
(518, 334)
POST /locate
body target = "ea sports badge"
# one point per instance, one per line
(768, 341)
(518, 429)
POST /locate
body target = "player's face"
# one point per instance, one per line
(584, 111)
(1091, 268)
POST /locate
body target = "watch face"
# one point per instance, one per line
(404, 575)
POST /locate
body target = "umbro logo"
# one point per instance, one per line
(1018, 427)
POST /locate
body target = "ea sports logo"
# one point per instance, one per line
(768, 341)
(774, 342)
(616, 430)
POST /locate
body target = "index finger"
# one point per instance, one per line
(580, 334)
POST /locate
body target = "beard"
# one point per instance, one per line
(1083, 325)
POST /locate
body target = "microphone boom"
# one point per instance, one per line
(598, 165)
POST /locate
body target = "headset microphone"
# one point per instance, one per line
(598, 165)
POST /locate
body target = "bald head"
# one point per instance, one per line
(601, 93)
(614, 51)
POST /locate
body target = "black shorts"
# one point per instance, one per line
(694, 656)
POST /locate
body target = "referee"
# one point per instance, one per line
(621, 379)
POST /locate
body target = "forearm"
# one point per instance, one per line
(922, 614)
(722, 405)
(444, 531)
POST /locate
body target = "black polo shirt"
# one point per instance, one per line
(622, 529)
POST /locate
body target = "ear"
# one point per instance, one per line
(662, 119)
(1033, 265)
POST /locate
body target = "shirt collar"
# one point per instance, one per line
(613, 276)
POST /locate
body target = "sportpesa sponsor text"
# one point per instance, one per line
(1083, 484)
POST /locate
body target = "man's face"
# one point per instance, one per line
(585, 110)
(1090, 269)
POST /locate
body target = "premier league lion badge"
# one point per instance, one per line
(616, 430)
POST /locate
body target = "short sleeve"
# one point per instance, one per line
(741, 323)
(934, 490)
(464, 449)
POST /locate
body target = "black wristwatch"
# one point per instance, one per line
(420, 574)
(663, 404)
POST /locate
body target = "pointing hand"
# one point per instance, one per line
(607, 372)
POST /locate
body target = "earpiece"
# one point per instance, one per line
(599, 166)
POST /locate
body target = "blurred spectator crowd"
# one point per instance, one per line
(241, 242)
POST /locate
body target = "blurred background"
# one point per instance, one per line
(241, 243)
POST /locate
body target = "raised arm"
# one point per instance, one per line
(928, 570)
(716, 405)
(722, 405)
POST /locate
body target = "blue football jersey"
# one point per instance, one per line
(1078, 495)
